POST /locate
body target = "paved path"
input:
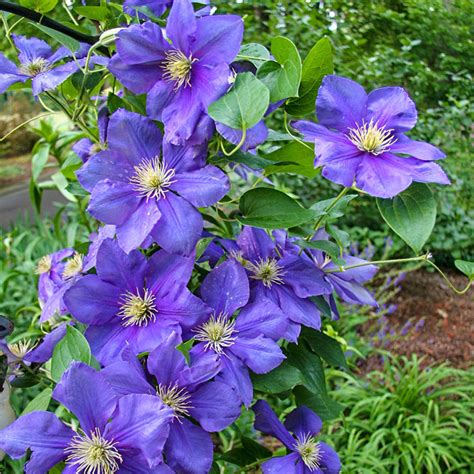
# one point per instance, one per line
(15, 201)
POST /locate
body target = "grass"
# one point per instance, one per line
(405, 419)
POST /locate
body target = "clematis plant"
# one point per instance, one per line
(179, 319)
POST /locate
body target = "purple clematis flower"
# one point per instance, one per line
(349, 283)
(189, 392)
(359, 139)
(157, 7)
(246, 342)
(133, 301)
(307, 456)
(122, 435)
(143, 193)
(39, 63)
(57, 272)
(184, 77)
(282, 277)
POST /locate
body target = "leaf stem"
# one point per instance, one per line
(237, 147)
(330, 207)
(459, 292)
(301, 142)
(26, 122)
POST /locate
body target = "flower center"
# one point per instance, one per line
(35, 66)
(267, 270)
(152, 178)
(176, 398)
(371, 138)
(137, 309)
(21, 348)
(218, 333)
(73, 266)
(309, 450)
(44, 265)
(177, 68)
(93, 454)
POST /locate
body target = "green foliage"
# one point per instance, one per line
(411, 214)
(405, 419)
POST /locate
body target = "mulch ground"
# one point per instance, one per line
(447, 331)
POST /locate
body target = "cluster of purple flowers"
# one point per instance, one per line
(176, 348)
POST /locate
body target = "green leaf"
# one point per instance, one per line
(283, 75)
(338, 210)
(328, 247)
(249, 453)
(326, 347)
(281, 379)
(39, 159)
(253, 52)
(40, 6)
(299, 154)
(114, 102)
(310, 366)
(36, 195)
(61, 184)
(271, 209)
(93, 13)
(73, 346)
(322, 405)
(70, 43)
(316, 65)
(411, 214)
(255, 162)
(465, 267)
(39, 403)
(244, 106)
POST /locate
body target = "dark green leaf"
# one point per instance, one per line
(254, 52)
(322, 405)
(322, 305)
(73, 346)
(411, 214)
(114, 102)
(36, 195)
(271, 209)
(465, 267)
(244, 106)
(297, 153)
(316, 65)
(326, 347)
(281, 379)
(255, 162)
(282, 76)
(40, 402)
(70, 43)
(339, 208)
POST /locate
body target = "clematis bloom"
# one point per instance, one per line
(360, 137)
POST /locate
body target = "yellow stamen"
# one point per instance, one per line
(267, 270)
(371, 138)
(73, 266)
(137, 309)
(310, 451)
(44, 265)
(176, 398)
(177, 68)
(218, 333)
(152, 178)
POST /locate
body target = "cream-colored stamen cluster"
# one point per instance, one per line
(218, 333)
(177, 68)
(176, 398)
(21, 348)
(267, 270)
(93, 454)
(152, 178)
(371, 138)
(73, 266)
(35, 66)
(44, 265)
(138, 309)
(309, 450)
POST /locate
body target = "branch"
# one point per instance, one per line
(42, 20)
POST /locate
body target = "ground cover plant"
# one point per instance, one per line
(198, 297)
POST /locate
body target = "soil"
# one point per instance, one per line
(447, 331)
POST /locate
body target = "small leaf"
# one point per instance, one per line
(465, 267)
(411, 214)
(271, 209)
(61, 184)
(326, 347)
(322, 405)
(255, 162)
(254, 53)
(244, 106)
(70, 43)
(281, 379)
(338, 210)
(316, 65)
(40, 6)
(39, 159)
(39, 403)
(300, 155)
(283, 75)
(310, 366)
(93, 12)
(329, 248)
(73, 346)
